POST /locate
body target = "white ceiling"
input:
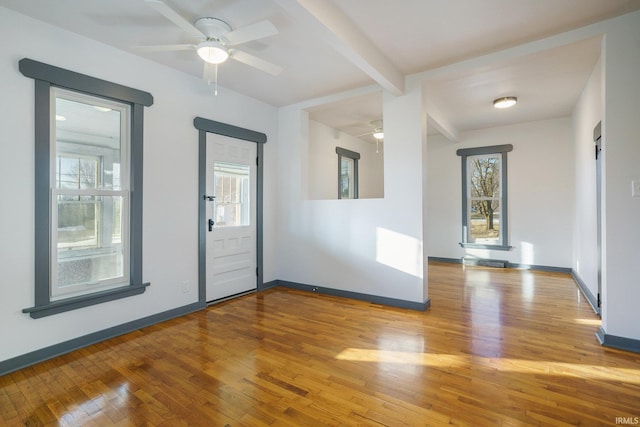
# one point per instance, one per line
(329, 46)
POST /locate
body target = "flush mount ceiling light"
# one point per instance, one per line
(212, 52)
(505, 102)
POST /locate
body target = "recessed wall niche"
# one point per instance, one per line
(348, 125)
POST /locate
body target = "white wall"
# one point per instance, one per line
(540, 193)
(370, 246)
(587, 114)
(621, 141)
(323, 163)
(170, 179)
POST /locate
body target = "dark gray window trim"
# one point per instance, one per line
(46, 76)
(478, 151)
(205, 126)
(82, 83)
(343, 152)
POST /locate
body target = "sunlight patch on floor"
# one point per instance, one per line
(524, 366)
(589, 322)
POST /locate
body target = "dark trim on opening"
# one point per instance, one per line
(42, 197)
(504, 217)
(210, 126)
(37, 356)
(80, 82)
(259, 215)
(68, 304)
(375, 299)
(347, 153)
(232, 131)
(202, 216)
(478, 151)
(584, 289)
(136, 165)
(45, 77)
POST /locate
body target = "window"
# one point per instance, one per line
(231, 183)
(484, 197)
(347, 173)
(88, 189)
(89, 232)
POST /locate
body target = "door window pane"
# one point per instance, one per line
(231, 204)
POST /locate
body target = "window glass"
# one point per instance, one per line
(88, 148)
(231, 204)
(347, 173)
(484, 198)
(346, 178)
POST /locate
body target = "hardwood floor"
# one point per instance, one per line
(498, 347)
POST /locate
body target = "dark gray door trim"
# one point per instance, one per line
(205, 126)
(597, 138)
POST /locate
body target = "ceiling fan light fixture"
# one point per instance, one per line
(378, 130)
(505, 102)
(212, 52)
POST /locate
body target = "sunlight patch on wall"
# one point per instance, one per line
(399, 251)
(527, 253)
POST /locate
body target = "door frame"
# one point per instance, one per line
(205, 126)
(597, 139)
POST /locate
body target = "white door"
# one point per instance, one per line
(231, 214)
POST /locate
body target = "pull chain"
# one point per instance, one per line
(215, 81)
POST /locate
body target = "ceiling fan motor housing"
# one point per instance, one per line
(213, 28)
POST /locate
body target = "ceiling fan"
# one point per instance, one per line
(376, 131)
(217, 41)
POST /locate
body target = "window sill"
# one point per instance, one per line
(56, 307)
(481, 246)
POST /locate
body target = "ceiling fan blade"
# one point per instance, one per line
(174, 17)
(251, 32)
(255, 62)
(164, 47)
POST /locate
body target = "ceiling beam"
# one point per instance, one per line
(443, 126)
(440, 121)
(343, 35)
